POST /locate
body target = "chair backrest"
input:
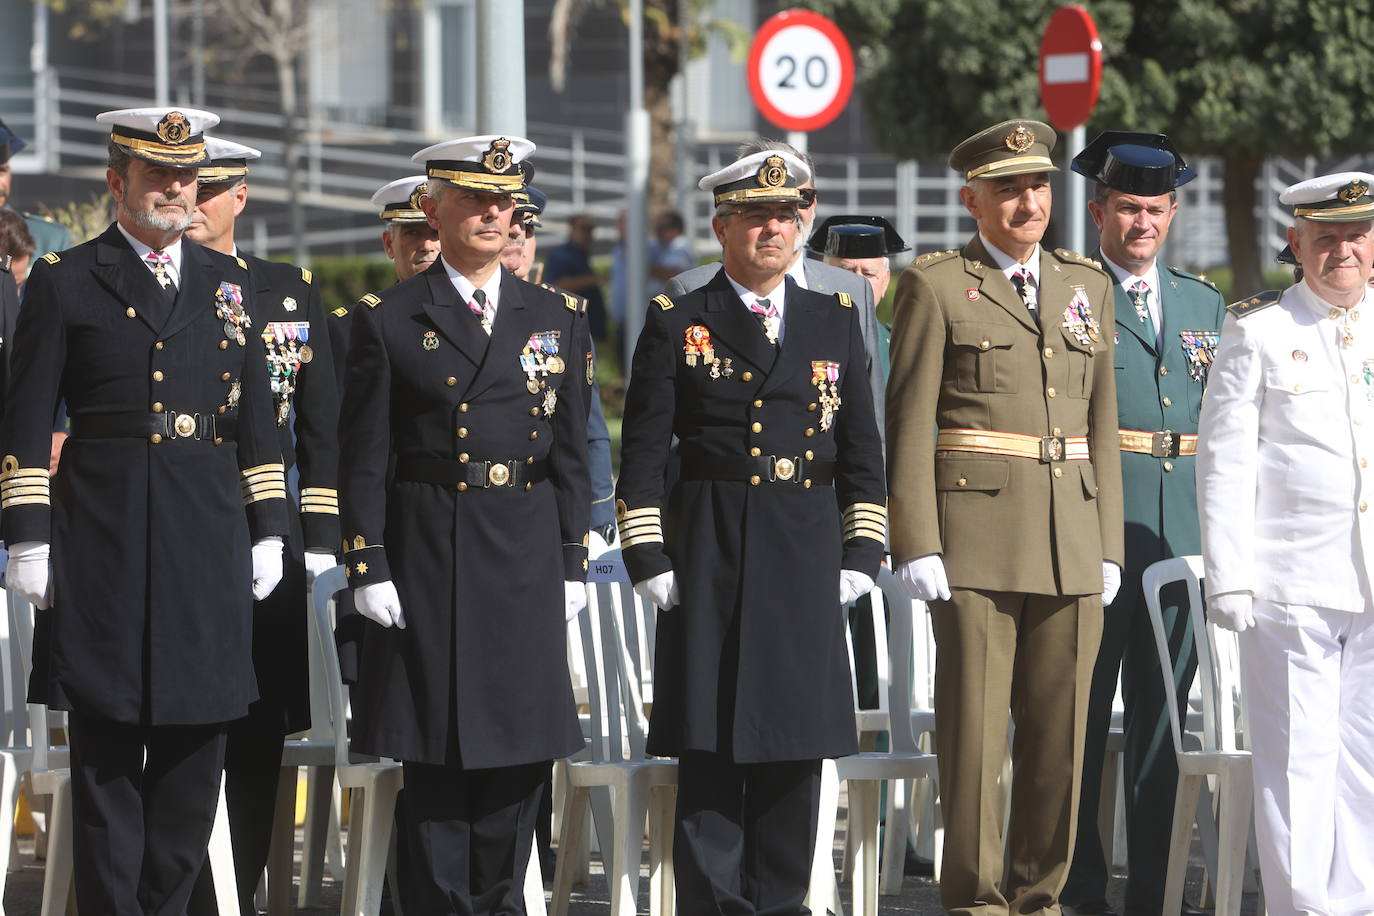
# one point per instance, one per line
(17, 663)
(892, 622)
(327, 585)
(321, 729)
(615, 701)
(1216, 657)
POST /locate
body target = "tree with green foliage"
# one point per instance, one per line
(1237, 79)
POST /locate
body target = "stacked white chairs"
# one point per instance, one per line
(641, 786)
(866, 772)
(1220, 756)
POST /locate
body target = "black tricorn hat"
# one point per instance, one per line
(856, 236)
(1134, 162)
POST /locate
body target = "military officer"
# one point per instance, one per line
(48, 234)
(862, 245)
(163, 524)
(1284, 491)
(749, 555)
(409, 241)
(471, 384)
(291, 337)
(1009, 523)
(1167, 323)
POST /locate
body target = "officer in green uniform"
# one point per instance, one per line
(1167, 324)
(48, 235)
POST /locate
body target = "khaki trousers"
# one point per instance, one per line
(1031, 656)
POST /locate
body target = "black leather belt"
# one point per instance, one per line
(166, 425)
(759, 469)
(511, 472)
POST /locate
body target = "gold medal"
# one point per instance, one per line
(307, 354)
(532, 386)
(555, 364)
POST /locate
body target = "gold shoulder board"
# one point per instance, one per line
(1254, 303)
(1066, 254)
(51, 257)
(340, 311)
(845, 300)
(932, 256)
(242, 263)
(663, 302)
(371, 300)
(5, 262)
(571, 302)
(1201, 278)
(306, 275)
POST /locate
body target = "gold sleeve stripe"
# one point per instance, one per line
(627, 531)
(871, 507)
(327, 492)
(263, 469)
(868, 526)
(23, 486)
(32, 490)
(24, 501)
(266, 494)
(650, 512)
(643, 539)
(259, 486)
(24, 472)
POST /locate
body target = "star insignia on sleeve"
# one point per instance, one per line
(362, 568)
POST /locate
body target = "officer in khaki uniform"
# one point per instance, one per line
(1009, 522)
(1167, 323)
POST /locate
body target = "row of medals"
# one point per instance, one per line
(539, 359)
(287, 351)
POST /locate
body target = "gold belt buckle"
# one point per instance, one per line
(185, 425)
(783, 468)
(498, 474)
(1164, 444)
(1052, 449)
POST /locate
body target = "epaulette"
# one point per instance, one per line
(932, 257)
(306, 275)
(371, 300)
(51, 257)
(845, 299)
(1066, 254)
(1201, 278)
(663, 301)
(340, 312)
(242, 263)
(43, 217)
(572, 302)
(1254, 303)
(5, 262)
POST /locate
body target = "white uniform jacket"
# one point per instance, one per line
(1285, 465)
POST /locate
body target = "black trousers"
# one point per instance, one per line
(142, 825)
(1149, 769)
(252, 763)
(745, 835)
(468, 837)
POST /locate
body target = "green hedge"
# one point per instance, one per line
(345, 280)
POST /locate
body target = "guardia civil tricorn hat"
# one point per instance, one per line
(162, 136)
(1134, 162)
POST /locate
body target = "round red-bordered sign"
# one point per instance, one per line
(1070, 67)
(801, 70)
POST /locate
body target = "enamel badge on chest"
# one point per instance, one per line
(825, 375)
(1200, 349)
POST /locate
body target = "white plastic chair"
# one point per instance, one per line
(866, 772)
(641, 786)
(1220, 756)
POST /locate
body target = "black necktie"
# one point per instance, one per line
(767, 313)
(479, 308)
(1025, 288)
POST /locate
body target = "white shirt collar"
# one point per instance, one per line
(776, 295)
(173, 251)
(1127, 279)
(798, 273)
(1009, 265)
(466, 287)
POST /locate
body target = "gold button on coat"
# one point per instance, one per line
(462, 432)
(747, 376)
(1167, 402)
(1049, 351)
(1168, 465)
(1058, 472)
(1049, 392)
(754, 480)
(157, 375)
(757, 427)
(450, 381)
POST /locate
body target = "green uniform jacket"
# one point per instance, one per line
(966, 354)
(1158, 391)
(48, 234)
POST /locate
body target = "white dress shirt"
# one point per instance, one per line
(1010, 266)
(466, 288)
(1128, 280)
(776, 297)
(173, 251)
(1285, 465)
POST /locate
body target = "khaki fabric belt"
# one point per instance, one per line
(1017, 445)
(1163, 444)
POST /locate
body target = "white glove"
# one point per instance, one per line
(574, 599)
(1111, 581)
(924, 578)
(379, 603)
(660, 589)
(266, 566)
(30, 572)
(316, 562)
(1232, 610)
(853, 584)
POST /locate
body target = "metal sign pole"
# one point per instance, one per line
(636, 189)
(1078, 206)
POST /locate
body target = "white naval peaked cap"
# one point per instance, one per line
(490, 162)
(763, 177)
(165, 136)
(228, 160)
(1342, 197)
(399, 200)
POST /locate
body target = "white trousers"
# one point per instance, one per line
(1308, 677)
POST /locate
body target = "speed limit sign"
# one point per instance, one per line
(801, 71)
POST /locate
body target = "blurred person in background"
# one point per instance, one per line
(47, 234)
(569, 268)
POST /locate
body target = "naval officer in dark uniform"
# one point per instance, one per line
(470, 383)
(777, 521)
(163, 523)
(291, 338)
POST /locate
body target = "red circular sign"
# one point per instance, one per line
(801, 70)
(1070, 67)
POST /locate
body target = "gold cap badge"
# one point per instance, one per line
(421, 191)
(497, 158)
(174, 128)
(1353, 191)
(1020, 139)
(773, 173)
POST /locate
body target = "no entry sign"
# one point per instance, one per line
(1070, 67)
(801, 70)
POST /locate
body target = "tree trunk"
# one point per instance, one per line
(1242, 228)
(662, 146)
(286, 83)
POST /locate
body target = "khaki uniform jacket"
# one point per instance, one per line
(966, 354)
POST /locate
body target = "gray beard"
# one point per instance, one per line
(152, 219)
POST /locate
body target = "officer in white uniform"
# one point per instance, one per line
(1285, 489)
